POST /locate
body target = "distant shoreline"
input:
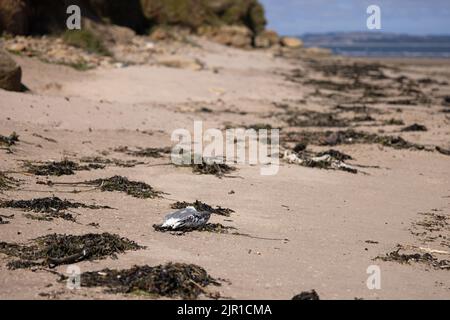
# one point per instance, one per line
(361, 44)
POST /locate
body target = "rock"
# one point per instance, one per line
(266, 39)
(307, 295)
(172, 33)
(14, 16)
(239, 12)
(314, 51)
(109, 34)
(234, 36)
(16, 47)
(291, 42)
(22, 17)
(160, 34)
(194, 14)
(10, 73)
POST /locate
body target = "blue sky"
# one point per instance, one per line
(295, 17)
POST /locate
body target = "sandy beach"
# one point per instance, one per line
(304, 228)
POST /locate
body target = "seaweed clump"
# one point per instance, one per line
(217, 169)
(122, 184)
(433, 227)
(186, 281)
(98, 161)
(2, 217)
(56, 249)
(333, 138)
(9, 141)
(209, 227)
(51, 207)
(145, 152)
(307, 295)
(200, 206)
(407, 258)
(85, 40)
(60, 168)
(6, 183)
(414, 127)
(328, 160)
(314, 119)
(443, 151)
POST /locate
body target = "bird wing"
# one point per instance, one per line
(179, 217)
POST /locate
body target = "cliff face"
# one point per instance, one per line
(45, 16)
(199, 13)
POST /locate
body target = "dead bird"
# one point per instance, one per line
(187, 218)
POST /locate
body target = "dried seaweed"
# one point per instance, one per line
(446, 101)
(55, 249)
(51, 216)
(407, 258)
(443, 151)
(220, 170)
(358, 109)
(122, 184)
(7, 183)
(307, 295)
(354, 70)
(393, 122)
(44, 138)
(200, 206)
(47, 205)
(209, 227)
(434, 226)
(59, 168)
(50, 207)
(335, 154)
(328, 160)
(172, 280)
(357, 82)
(114, 162)
(414, 127)
(314, 119)
(145, 152)
(260, 126)
(9, 141)
(349, 136)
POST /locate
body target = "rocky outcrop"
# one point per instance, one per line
(194, 14)
(291, 42)
(266, 39)
(235, 36)
(41, 16)
(238, 23)
(10, 73)
(14, 16)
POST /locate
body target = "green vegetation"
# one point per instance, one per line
(194, 14)
(85, 40)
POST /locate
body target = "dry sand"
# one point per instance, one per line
(327, 216)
